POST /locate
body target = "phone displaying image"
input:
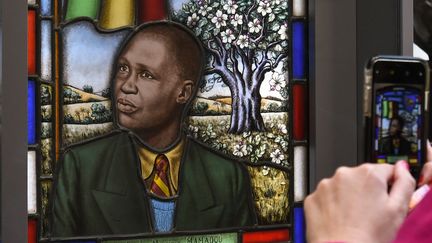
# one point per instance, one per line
(396, 109)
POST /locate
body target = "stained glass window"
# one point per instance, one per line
(249, 110)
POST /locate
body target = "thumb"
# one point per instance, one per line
(403, 186)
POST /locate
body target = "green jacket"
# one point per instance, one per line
(99, 190)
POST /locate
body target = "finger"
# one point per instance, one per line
(426, 174)
(382, 171)
(403, 186)
(429, 150)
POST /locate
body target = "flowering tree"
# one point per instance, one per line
(245, 39)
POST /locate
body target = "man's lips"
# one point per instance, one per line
(126, 106)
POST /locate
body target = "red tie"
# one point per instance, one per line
(160, 184)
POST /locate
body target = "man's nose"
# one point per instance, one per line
(129, 86)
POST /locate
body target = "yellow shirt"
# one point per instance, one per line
(148, 157)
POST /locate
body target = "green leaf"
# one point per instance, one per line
(202, 22)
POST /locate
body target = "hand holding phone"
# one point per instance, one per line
(396, 110)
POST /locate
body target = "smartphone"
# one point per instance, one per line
(396, 110)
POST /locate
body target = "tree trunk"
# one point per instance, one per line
(246, 110)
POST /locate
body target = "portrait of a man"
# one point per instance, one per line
(395, 143)
(149, 175)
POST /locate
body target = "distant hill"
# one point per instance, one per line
(222, 105)
(83, 96)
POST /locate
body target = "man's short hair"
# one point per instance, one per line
(182, 43)
(400, 120)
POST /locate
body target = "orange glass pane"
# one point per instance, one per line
(31, 44)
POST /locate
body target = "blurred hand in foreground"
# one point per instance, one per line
(356, 205)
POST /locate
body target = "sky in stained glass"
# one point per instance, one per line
(89, 55)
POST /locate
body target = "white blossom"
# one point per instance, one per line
(192, 20)
(227, 36)
(255, 26)
(264, 8)
(204, 10)
(220, 19)
(277, 82)
(230, 7)
(276, 2)
(236, 20)
(242, 41)
(277, 156)
(240, 150)
(283, 128)
(283, 32)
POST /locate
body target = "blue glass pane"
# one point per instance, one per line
(46, 7)
(299, 43)
(299, 226)
(31, 112)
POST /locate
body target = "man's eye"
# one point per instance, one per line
(146, 75)
(123, 68)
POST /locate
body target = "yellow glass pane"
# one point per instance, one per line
(116, 14)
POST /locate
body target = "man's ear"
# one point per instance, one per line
(185, 92)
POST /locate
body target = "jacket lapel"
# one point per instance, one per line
(122, 200)
(197, 207)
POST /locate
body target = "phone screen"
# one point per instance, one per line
(398, 124)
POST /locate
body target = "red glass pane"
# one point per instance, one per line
(32, 232)
(299, 112)
(31, 44)
(281, 235)
(149, 10)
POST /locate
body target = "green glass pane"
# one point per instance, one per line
(82, 8)
(223, 238)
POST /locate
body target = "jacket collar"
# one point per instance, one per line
(123, 199)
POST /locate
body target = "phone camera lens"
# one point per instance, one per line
(407, 73)
(392, 72)
(377, 72)
(420, 74)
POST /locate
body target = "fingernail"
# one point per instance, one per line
(404, 164)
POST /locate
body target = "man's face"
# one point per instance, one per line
(394, 127)
(146, 85)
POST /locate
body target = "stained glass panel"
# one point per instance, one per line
(149, 10)
(46, 50)
(116, 14)
(269, 236)
(299, 43)
(300, 173)
(299, 8)
(86, 90)
(82, 8)
(299, 111)
(31, 182)
(225, 238)
(31, 41)
(299, 225)
(31, 112)
(46, 186)
(46, 7)
(87, 51)
(46, 142)
(32, 231)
